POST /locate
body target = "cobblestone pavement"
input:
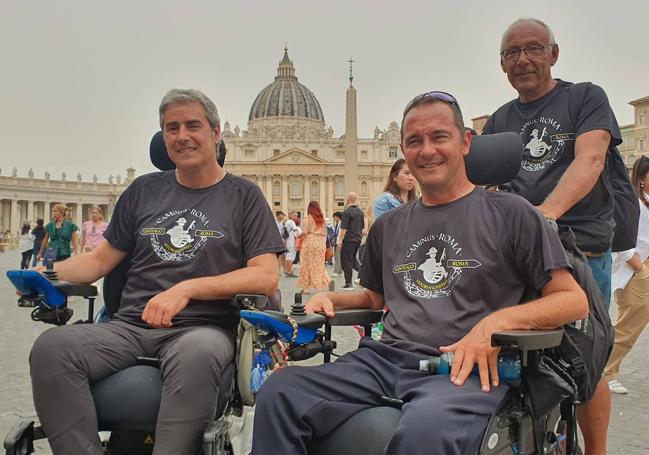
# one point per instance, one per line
(627, 433)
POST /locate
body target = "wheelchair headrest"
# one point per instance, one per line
(160, 158)
(494, 159)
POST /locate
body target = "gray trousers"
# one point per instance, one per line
(66, 360)
(298, 404)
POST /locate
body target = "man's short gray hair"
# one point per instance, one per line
(526, 20)
(178, 95)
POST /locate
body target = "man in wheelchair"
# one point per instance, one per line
(451, 269)
(193, 238)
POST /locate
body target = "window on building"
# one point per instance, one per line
(277, 188)
(314, 152)
(641, 145)
(296, 187)
(341, 204)
(364, 188)
(276, 152)
(641, 119)
(249, 153)
(364, 154)
(393, 152)
(340, 154)
(314, 189)
(340, 188)
(277, 204)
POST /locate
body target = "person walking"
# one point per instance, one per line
(312, 253)
(631, 283)
(39, 233)
(92, 231)
(26, 245)
(60, 240)
(338, 269)
(291, 251)
(398, 190)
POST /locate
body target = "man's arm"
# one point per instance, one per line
(328, 302)
(582, 174)
(561, 301)
(341, 236)
(88, 268)
(259, 276)
(75, 243)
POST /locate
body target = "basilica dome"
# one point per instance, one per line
(286, 97)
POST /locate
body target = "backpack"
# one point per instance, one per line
(587, 343)
(626, 212)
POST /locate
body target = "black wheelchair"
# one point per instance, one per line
(128, 401)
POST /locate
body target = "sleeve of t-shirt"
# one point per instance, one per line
(371, 271)
(595, 113)
(120, 233)
(489, 126)
(536, 247)
(260, 234)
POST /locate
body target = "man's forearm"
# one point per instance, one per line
(355, 300)
(81, 268)
(253, 279)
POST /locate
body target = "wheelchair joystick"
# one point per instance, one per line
(49, 270)
(297, 308)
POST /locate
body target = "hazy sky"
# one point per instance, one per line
(81, 80)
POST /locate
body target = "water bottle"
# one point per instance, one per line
(509, 366)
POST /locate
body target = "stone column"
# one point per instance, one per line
(306, 195)
(322, 195)
(285, 194)
(330, 195)
(15, 222)
(269, 191)
(30, 212)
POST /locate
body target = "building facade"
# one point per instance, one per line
(287, 149)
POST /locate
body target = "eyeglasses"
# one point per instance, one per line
(533, 51)
(440, 96)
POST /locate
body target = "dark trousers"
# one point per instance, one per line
(24, 260)
(348, 258)
(66, 360)
(298, 404)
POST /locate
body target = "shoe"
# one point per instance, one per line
(357, 281)
(291, 275)
(336, 275)
(616, 387)
(347, 287)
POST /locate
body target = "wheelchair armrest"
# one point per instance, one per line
(528, 340)
(20, 438)
(76, 289)
(355, 317)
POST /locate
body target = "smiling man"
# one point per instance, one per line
(454, 273)
(195, 236)
(569, 131)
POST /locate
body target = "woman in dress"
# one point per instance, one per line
(92, 231)
(399, 189)
(630, 283)
(312, 253)
(60, 239)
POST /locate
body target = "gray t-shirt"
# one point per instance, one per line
(549, 127)
(174, 233)
(442, 269)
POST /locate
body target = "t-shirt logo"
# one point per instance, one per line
(180, 235)
(431, 274)
(544, 143)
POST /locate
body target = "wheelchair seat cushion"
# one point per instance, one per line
(369, 431)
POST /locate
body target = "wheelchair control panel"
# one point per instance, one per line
(48, 295)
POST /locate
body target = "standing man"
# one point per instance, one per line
(291, 250)
(280, 219)
(567, 129)
(196, 236)
(349, 238)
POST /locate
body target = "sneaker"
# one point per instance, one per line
(291, 275)
(616, 387)
(347, 287)
(357, 281)
(336, 275)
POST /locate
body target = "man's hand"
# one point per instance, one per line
(475, 347)
(320, 303)
(161, 309)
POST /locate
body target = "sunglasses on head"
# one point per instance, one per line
(434, 95)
